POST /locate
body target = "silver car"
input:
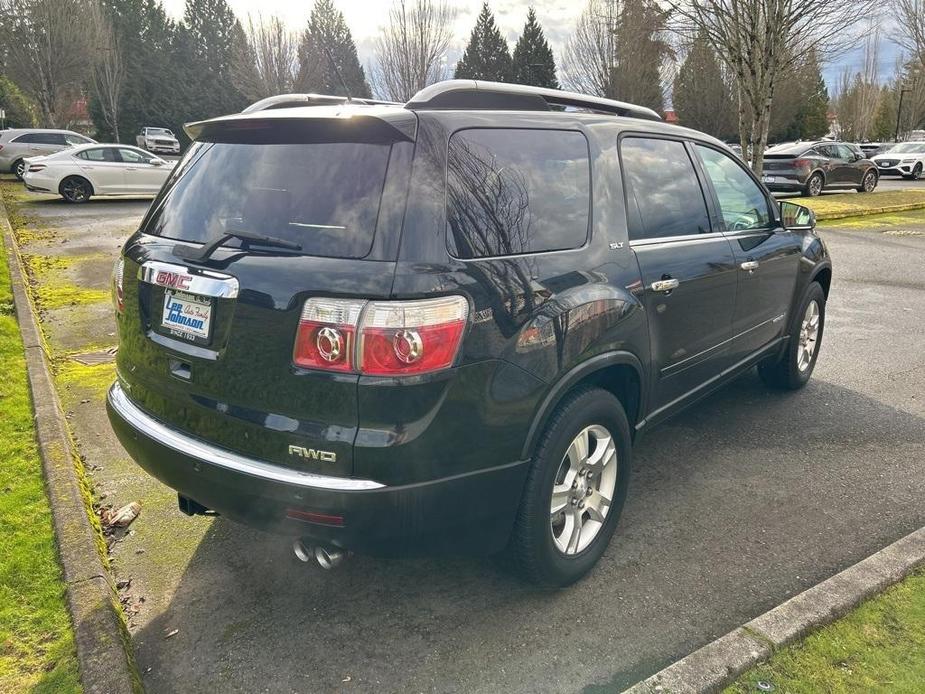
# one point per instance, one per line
(18, 144)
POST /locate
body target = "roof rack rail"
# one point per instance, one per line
(478, 94)
(297, 100)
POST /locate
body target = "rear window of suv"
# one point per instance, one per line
(322, 195)
(516, 191)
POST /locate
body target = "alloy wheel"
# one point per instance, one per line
(815, 186)
(75, 190)
(583, 490)
(870, 181)
(809, 336)
(20, 169)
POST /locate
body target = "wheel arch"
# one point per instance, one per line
(618, 372)
(824, 277)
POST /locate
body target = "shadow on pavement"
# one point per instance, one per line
(740, 502)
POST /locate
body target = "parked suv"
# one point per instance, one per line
(18, 144)
(442, 325)
(811, 167)
(158, 140)
(906, 159)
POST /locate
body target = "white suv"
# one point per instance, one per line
(906, 159)
(18, 144)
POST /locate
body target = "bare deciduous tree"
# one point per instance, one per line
(410, 49)
(50, 48)
(858, 98)
(108, 75)
(270, 58)
(620, 49)
(759, 39)
(910, 26)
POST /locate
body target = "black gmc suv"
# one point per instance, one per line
(442, 324)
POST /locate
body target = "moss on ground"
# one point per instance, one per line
(49, 288)
(37, 651)
(880, 647)
(90, 381)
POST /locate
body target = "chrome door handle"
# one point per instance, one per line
(750, 265)
(665, 285)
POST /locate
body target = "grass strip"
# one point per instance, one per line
(37, 651)
(844, 205)
(879, 647)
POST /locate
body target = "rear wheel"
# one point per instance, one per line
(869, 182)
(793, 369)
(75, 189)
(575, 490)
(814, 185)
(18, 168)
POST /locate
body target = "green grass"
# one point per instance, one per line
(880, 222)
(855, 204)
(880, 647)
(37, 652)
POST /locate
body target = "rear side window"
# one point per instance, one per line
(662, 184)
(97, 154)
(514, 191)
(324, 196)
(27, 138)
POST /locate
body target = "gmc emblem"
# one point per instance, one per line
(174, 280)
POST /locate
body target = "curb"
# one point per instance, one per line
(868, 211)
(105, 661)
(719, 663)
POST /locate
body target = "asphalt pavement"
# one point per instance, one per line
(735, 505)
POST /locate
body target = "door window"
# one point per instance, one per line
(512, 191)
(75, 140)
(828, 151)
(130, 156)
(742, 203)
(662, 185)
(845, 152)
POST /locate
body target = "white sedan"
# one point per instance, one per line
(77, 173)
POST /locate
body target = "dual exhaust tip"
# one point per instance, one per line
(327, 557)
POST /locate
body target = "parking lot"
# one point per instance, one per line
(735, 505)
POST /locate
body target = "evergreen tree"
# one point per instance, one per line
(328, 56)
(157, 89)
(533, 62)
(215, 37)
(885, 123)
(640, 50)
(812, 118)
(20, 111)
(487, 56)
(701, 96)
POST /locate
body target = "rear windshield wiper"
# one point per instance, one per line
(246, 236)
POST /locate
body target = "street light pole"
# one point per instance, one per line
(899, 111)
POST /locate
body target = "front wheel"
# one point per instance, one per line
(869, 182)
(916, 173)
(792, 369)
(575, 490)
(75, 189)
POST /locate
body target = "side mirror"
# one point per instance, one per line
(796, 217)
(157, 162)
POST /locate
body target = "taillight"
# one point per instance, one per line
(380, 338)
(801, 163)
(327, 333)
(118, 293)
(36, 167)
(411, 337)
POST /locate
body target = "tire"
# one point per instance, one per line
(792, 369)
(75, 189)
(18, 169)
(916, 173)
(869, 182)
(542, 545)
(814, 185)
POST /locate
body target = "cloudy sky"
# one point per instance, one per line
(365, 17)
